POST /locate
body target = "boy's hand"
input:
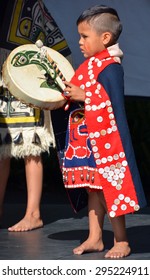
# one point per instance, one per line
(73, 92)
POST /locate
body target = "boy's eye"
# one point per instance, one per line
(84, 36)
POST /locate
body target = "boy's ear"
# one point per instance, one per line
(107, 36)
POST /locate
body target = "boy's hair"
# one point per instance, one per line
(102, 19)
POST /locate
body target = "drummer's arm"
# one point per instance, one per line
(74, 93)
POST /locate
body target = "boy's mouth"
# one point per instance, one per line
(82, 50)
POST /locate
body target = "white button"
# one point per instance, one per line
(118, 187)
(103, 105)
(114, 183)
(99, 119)
(105, 175)
(93, 142)
(90, 66)
(97, 91)
(114, 207)
(111, 173)
(116, 177)
(101, 170)
(109, 158)
(88, 93)
(98, 161)
(107, 169)
(99, 86)
(82, 86)
(87, 100)
(109, 179)
(96, 155)
(91, 76)
(117, 201)
(88, 107)
(107, 146)
(91, 135)
(90, 72)
(123, 207)
(104, 160)
(123, 169)
(112, 214)
(111, 116)
(127, 199)
(109, 130)
(92, 58)
(97, 134)
(114, 128)
(116, 157)
(122, 155)
(132, 203)
(121, 196)
(121, 175)
(93, 82)
(99, 64)
(124, 163)
(109, 109)
(80, 77)
(117, 171)
(108, 103)
(136, 207)
(88, 84)
(94, 107)
(95, 149)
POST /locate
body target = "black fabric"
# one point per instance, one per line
(78, 198)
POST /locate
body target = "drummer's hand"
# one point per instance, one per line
(73, 92)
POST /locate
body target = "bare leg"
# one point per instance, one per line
(121, 246)
(96, 213)
(34, 178)
(4, 173)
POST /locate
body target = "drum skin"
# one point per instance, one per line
(34, 76)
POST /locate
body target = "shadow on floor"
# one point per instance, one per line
(137, 243)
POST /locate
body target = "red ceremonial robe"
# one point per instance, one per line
(94, 155)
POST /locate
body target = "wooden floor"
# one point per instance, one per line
(63, 230)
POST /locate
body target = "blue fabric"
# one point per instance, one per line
(112, 79)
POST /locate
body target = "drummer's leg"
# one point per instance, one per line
(4, 173)
(34, 178)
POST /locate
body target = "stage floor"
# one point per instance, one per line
(63, 230)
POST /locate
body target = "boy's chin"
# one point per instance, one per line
(85, 55)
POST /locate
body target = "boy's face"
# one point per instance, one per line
(90, 42)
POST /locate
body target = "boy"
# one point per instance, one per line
(99, 154)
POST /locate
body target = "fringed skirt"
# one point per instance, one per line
(24, 131)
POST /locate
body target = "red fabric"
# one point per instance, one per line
(114, 173)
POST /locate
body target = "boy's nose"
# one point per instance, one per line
(80, 41)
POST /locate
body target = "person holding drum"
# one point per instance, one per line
(99, 155)
(26, 133)
(30, 77)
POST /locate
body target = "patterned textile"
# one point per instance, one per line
(94, 156)
(24, 22)
(24, 130)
